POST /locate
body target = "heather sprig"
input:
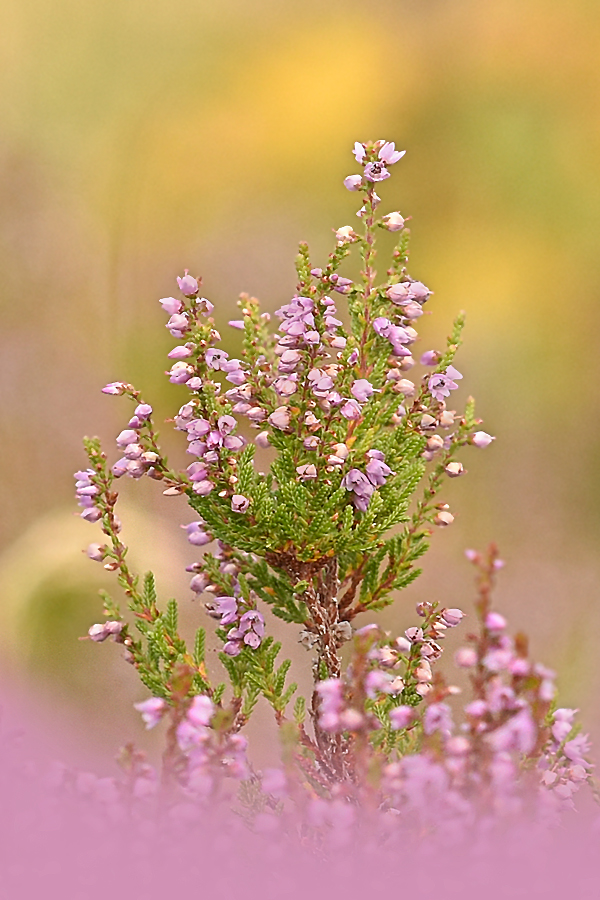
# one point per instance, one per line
(334, 528)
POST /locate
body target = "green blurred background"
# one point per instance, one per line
(142, 138)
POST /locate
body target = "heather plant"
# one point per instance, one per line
(334, 529)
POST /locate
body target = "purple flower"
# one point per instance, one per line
(452, 617)
(115, 387)
(381, 326)
(482, 439)
(377, 471)
(201, 710)
(376, 171)
(180, 372)
(357, 482)
(361, 390)
(171, 305)
(196, 534)
(401, 716)
(359, 151)
(180, 352)
(430, 358)
(100, 632)
(466, 657)
(226, 608)
(393, 221)
(188, 285)
(389, 154)
(280, 418)
(438, 718)
(239, 503)
(178, 325)
(353, 182)
(351, 410)
(215, 358)
(152, 710)
(441, 384)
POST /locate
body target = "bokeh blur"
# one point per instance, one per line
(142, 138)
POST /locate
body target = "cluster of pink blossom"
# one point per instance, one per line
(87, 494)
(209, 755)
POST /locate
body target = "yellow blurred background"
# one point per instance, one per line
(142, 138)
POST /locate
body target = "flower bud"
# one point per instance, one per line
(482, 439)
(435, 442)
(393, 221)
(444, 518)
(454, 469)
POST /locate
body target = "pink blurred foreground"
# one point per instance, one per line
(54, 845)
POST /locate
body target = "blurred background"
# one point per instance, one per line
(142, 138)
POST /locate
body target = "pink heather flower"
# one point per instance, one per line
(518, 733)
(381, 326)
(171, 305)
(236, 323)
(215, 358)
(466, 657)
(180, 372)
(430, 358)
(307, 472)
(376, 171)
(143, 411)
(198, 583)
(405, 292)
(280, 418)
(115, 387)
(201, 710)
(452, 617)
(389, 154)
(361, 390)
(359, 151)
(204, 305)
(495, 622)
(239, 503)
(100, 632)
(441, 384)
(482, 439)
(412, 310)
(188, 285)
(353, 182)
(393, 221)
(401, 716)
(262, 440)
(152, 710)
(203, 488)
(341, 285)
(178, 325)
(180, 352)
(438, 718)
(226, 608)
(576, 748)
(377, 471)
(351, 410)
(127, 437)
(97, 552)
(196, 534)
